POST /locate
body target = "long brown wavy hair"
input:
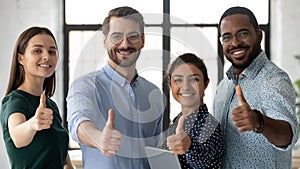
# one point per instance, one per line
(17, 73)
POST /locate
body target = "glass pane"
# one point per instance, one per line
(94, 11)
(203, 43)
(149, 64)
(209, 12)
(86, 52)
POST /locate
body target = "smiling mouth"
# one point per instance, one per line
(45, 65)
(186, 94)
(238, 54)
(125, 51)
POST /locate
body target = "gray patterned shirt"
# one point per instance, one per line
(268, 89)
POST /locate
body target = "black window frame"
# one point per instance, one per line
(166, 26)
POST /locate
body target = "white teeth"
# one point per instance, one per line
(238, 52)
(124, 52)
(186, 95)
(44, 65)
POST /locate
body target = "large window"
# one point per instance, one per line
(172, 28)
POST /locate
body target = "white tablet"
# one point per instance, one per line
(162, 159)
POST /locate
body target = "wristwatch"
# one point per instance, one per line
(261, 120)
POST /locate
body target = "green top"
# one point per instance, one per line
(48, 148)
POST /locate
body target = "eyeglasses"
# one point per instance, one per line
(241, 35)
(117, 38)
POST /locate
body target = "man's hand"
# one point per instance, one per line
(243, 117)
(111, 138)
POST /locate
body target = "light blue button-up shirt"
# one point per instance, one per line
(268, 89)
(138, 116)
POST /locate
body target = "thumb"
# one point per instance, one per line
(180, 125)
(111, 119)
(240, 96)
(43, 101)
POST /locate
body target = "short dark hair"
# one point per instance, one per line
(188, 58)
(240, 10)
(126, 12)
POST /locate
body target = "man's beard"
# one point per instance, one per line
(252, 56)
(127, 62)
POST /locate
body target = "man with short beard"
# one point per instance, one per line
(255, 103)
(113, 113)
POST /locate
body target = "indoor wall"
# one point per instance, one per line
(17, 15)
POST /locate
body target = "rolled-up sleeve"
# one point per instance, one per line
(280, 104)
(81, 104)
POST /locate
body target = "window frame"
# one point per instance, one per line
(166, 26)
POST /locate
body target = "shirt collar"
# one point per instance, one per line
(202, 108)
(116, 77)
(134, 80)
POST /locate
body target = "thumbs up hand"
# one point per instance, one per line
(243, 117)
(111, 139)
(43, 116)
(180, 142)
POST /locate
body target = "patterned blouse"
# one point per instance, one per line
(207, 148)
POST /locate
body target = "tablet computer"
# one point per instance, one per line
(162, 159)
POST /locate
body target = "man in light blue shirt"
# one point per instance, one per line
(255, 103)
(113, 113)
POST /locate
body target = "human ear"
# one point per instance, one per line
(20, 58)
(206, 83)
(259, 35)
(143, 40)
(105, 41)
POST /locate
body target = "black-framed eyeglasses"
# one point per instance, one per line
(117, 37)
(241, 35)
